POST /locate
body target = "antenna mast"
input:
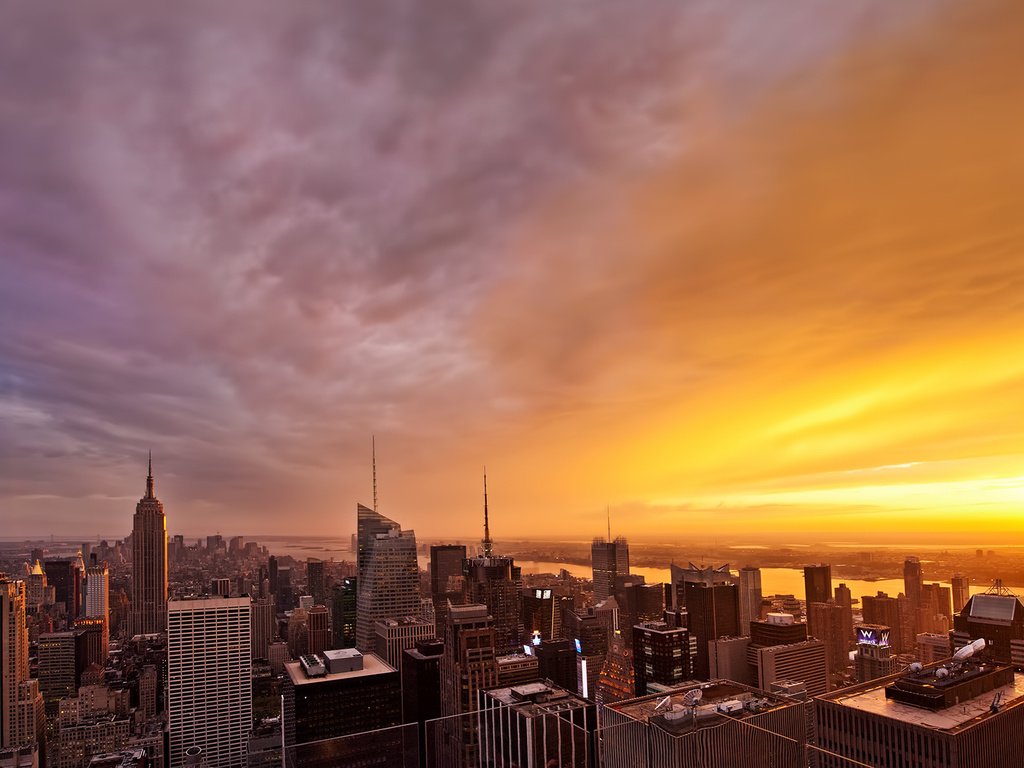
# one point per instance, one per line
(488, 544)
(609, 508)
(373, 459)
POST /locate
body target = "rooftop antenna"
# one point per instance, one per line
(373, 459)
(609, 523)
(149, 478)
(488, 544)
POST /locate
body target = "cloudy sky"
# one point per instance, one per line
(731, 268)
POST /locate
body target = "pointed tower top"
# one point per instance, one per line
(149, 478)
(373, 459)
(488, 544)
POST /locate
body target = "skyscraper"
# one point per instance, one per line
(913, 584)
(66, 579)
(209, 679)
(149, 563)
(714, 612)
(97, 600)
(961, 591)
(817, 589)
(388, 580)
(315, 584)
(343, 613)
(497, 582)
(21, 705)
(750, 597)
(609, 559)
(445, 561)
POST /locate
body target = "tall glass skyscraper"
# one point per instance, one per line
(609, 559)
(388, 581)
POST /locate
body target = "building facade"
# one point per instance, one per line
(149, 563)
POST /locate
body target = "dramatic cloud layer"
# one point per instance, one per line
(729, 265)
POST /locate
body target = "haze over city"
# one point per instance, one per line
(731, 279)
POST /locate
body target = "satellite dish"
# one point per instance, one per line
(692, 697)
(916, 666)
(969, 650)
(942, 672)
(661, 703)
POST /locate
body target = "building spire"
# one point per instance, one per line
(609, 508)
(149, 478)
(373, 458)
(488, 544)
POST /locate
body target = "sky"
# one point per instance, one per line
(730, 269)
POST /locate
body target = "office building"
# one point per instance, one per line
(828, 619)
(844, 599)
(874, 657)
(392, 636)
(535, 725)
(961, 589)
(318, 629)
(609, 560)
(750, 597)
(713, 612)
(913, 581)
(933, 647)
(539, 613)
(421, 681)
(22, 719)
(65, 577)
(661, 655)
(388, 578)
(805, 662)
(445, 563)
(315, 583)
(721, 724)
(149, 563)
(729, 658)
(209, 679)
(708, 575)
(343, 613)
(998, 616)
(590, 641)
(777, 629)
(332, 697)
(817, 589)
(617, 681)
(62, 659)
(97, 604)
(467, 667)
(220, 587)
(264, 625)
(966, 717)
(885, 611)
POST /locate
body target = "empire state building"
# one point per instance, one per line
(149, 563)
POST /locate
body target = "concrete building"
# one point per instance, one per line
(965, 716)
(828, 620)
(961, 591)
(713, 612)
(536, 725)
(22, 718)
(805, 662)
(874, 657)
(662, 655)
(209, 679)
(750, 597)
(264, 625)
(817, 589)
(719, 724)
(332, 697)
(395, 635)
(933, 647)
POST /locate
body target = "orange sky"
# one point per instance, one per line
(736, 289)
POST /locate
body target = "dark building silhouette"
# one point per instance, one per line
(343, 610)
(343, 693)
(149, 563)
(315, 584)
(817, 589)
(556, 661)
(713, 612)
(662, 655)
(885, 611)
(998, 616)
(421, 686)
(66, 579)
(609, 560)
(445, 562)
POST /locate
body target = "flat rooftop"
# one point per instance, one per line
(959, 716)
(372, 665)
(713, 693)
(535, 699)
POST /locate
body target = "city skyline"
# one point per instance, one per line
(738, 278)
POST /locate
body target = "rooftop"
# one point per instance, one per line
(372, 665)
(653, 708)
(534, 699)
(871, 698)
